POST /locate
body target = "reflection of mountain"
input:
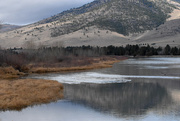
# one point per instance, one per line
(172, 86)
(122, 99)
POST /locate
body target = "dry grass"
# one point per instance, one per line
(21, 93)
(9, 73)
(96, 64)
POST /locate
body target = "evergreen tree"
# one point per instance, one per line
(167, 50)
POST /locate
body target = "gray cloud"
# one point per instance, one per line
(29, 11)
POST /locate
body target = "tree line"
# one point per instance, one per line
(129, 50)
(73, 55)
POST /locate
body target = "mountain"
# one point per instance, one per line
(99, 23)
(76, 11)
(122, 16)
(168, 33)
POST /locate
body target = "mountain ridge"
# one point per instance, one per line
(8, 27)
(75, 11)
(155, 16)
(100, 23)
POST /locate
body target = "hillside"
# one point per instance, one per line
(99, 23)
(124, 17)
(168, 33)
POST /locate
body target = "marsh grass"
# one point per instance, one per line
(96, 63)
(9, 73)
(18, 94)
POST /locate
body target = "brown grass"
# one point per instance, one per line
(21, 93)
(9, 73)
(104, 64)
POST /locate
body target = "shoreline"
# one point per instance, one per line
(103, 64)
(97, 63)
(156, 56)
(16, 94)
(21, 93)
(14, 91)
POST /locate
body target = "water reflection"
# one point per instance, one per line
(153, 94)
(133, 98)
(147, 67)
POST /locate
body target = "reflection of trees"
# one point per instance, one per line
(123, 99)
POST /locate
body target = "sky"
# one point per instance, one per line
(22, 12)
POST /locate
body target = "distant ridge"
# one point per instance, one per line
(8, 27)
(103, 23)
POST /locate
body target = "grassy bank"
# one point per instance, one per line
(9, 73)
(18, 94)
(95, 63)
(77, 64)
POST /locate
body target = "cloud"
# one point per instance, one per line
(29, 11)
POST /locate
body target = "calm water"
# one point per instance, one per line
(144, 89)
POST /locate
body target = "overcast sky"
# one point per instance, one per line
(21, 12)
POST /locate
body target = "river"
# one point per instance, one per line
(140, 89)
